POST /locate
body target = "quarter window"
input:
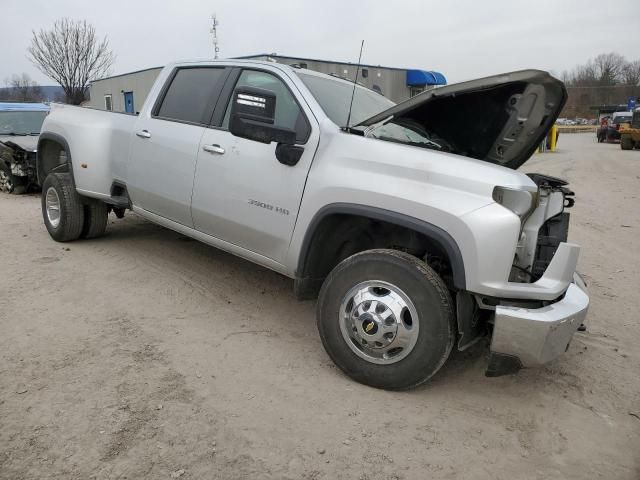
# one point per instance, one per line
(190, 95)
(288, 112)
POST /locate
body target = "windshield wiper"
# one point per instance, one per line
(15, 134)
(34, 133)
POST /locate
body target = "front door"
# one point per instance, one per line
(165, 145)
(241, 193)
(128, 102)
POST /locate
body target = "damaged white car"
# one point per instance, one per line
(20, 125)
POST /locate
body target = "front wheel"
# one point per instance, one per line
(62, 210)
(626, 143)
(386, 319)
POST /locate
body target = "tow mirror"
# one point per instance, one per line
(253, 116)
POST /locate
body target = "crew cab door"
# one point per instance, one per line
(242, 194)
(165, 146)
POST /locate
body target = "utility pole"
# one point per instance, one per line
(214, 32)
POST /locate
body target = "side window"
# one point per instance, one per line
(288, 112)
(190, 94)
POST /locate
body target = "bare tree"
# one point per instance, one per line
(72, 55)
(631, 73)
(23, 89)
(609, 67)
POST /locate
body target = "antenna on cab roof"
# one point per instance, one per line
(355, 80)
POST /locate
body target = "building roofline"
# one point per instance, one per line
(273, 55)
(127, 73)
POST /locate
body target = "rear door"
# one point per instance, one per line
(166, 141)
(241, 193)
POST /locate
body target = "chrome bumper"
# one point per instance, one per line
(525, 337)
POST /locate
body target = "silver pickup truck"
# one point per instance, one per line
(409, 224)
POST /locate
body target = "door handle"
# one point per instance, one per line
(213, 149)
(143, 134)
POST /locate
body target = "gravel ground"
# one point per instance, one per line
(144, 354)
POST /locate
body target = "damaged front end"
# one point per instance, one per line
(531, 333)
(17, 166)
(20, 125)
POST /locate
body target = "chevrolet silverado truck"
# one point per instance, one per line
(19, 129)
(410, 223)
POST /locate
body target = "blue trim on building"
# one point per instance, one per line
(420, 78)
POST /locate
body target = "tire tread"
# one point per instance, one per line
(445, 303)
(71, 208)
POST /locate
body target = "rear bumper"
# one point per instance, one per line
(613, 134)
(526, 337)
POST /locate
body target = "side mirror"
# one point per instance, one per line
(253, 116)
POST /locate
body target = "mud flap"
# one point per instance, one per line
(469, 326)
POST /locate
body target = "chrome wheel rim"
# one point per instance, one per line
(6, 185)
(379, 322)
(52, 203)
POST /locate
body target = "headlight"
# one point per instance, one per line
(520, 202)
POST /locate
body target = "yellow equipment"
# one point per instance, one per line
(630, 133)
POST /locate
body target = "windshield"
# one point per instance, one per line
(622, 119)
(334, 96)
(21, 123)
(407, 131)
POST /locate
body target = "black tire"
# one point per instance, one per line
(71, 216)
(432, 302)
(96, 215)
(626, 143)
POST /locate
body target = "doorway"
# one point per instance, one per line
(128, 102)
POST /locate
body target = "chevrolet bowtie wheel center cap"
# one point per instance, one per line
(379, 322)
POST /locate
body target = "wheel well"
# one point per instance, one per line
(52, 155)
(337, 236)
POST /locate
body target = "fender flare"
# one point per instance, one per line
(54, 137)
(439, 236)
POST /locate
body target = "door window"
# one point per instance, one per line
(191, 93)
(288, 113)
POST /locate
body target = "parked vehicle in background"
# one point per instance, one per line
(618, 119)
(630, 132)
(20, 125)
(410, 223)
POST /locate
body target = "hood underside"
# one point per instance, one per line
(28, 143)
(500, 119)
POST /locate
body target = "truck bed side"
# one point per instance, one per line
(97, 144)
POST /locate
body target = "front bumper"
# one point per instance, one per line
(525, 337)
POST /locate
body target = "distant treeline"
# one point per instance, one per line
(608, 79)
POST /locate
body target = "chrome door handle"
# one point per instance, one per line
(213, 149)
(143, 134)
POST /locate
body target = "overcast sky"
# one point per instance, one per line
(462, 39)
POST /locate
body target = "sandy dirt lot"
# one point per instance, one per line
(144, 354)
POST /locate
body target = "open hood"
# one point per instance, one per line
(500, 119)
(28, 142)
